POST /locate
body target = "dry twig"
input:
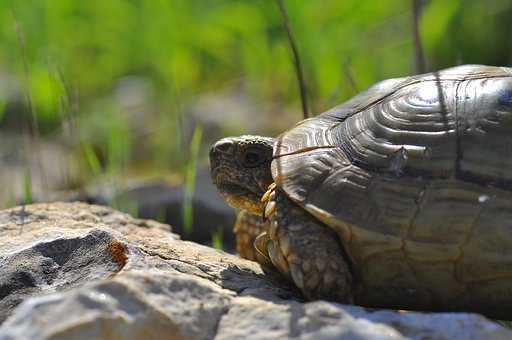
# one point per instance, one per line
(418, 49)
(296, 58)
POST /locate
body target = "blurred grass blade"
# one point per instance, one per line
(29, 100)
(350, 78)
(27, 188)
(190, 179)
(416, 36)
(217, 238)
(26, 73)
(125, 204)
(296, 58)
(91, 158)
(3, 104)
(161, 215)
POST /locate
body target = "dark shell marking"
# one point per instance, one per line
(415, 176)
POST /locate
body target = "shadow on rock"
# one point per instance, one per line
(89, 272)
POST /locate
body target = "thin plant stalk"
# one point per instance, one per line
(190, 179)
(350, 78)
(28, 96)
(92, 160)
(418, 48)
(69, 108)
(296, 58)
(27, 189)
(217, 238)
(26, 73)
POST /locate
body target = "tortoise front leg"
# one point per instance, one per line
(247, 227)
(306, 251)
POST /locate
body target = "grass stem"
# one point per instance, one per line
(296, 58)
(418, 48)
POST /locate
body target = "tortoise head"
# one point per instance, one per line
(240, 168)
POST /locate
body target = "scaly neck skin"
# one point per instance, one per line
(240, 168)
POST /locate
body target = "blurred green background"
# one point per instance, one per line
(139, 89)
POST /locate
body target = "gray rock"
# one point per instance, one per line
(159, 200)
(54, 264)
(89, 272)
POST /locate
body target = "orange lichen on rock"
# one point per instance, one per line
(118, 252)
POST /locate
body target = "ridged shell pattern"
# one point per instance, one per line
(415, 176)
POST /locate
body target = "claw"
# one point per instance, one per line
(272, 231)
(284, 243)
(272, 195)
(265, 196)
(268, 195)
(297, 275)
(268, 199)
(270, 208)
(277, 258)
(261, 245)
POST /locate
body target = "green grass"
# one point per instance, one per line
(93, 44)
(27, 189)
(217, 238)
(91, 159)
(190, 179)
(125, 204)
(68, 60)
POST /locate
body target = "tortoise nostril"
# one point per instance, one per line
(223, 146)
(219, 151)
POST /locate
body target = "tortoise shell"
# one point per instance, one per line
(415, 176)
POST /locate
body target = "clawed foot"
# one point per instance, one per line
(268, 199)
(304, 250)
(247, 228)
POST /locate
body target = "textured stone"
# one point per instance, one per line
(89, 272)
(163, 201)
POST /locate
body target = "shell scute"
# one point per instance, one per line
(415, 176)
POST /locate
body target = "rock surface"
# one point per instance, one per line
(159, 200)
(77, 271)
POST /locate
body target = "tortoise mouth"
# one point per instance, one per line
(239, 197)
(227, 188)
(230, 188)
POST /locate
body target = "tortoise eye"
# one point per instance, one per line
(252, 158)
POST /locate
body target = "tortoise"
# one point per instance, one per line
(399, 198)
